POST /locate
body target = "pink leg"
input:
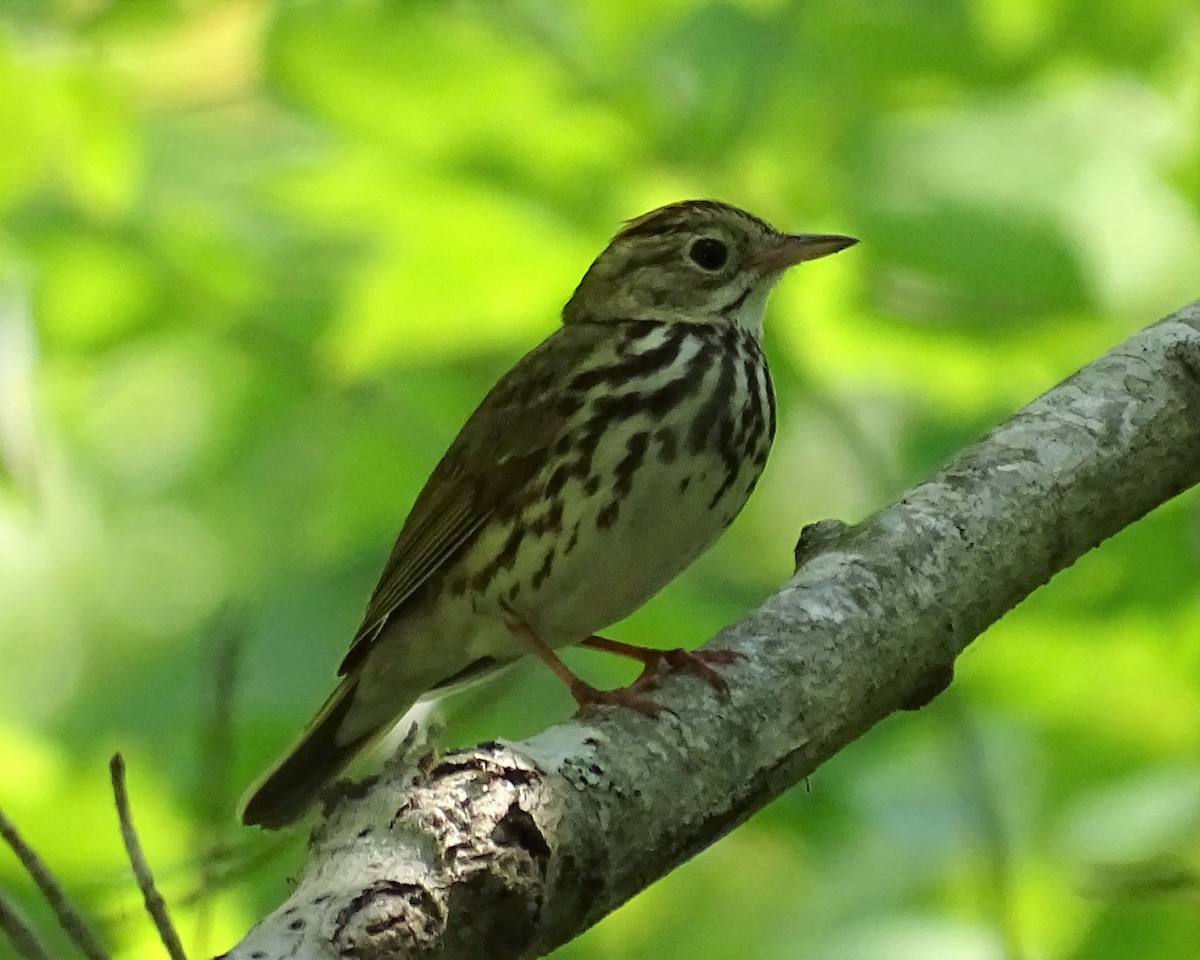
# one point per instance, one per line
(584, 693)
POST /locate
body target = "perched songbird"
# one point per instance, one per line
(599, 467)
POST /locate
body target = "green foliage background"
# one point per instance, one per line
(260, 258)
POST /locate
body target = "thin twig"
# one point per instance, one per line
(233, 865)
(69, 918)
(155, 905)
(19, 933)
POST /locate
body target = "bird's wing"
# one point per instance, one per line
(499, 450)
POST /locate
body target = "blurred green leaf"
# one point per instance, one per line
(985, 268)
(268, 256)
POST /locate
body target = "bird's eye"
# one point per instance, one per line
(709, 253)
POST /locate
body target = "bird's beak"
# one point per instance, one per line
(790, 249)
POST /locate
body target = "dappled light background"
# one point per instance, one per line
(259, 259)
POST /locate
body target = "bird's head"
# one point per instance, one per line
(694, 261)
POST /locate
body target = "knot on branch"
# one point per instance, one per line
(474, 817)
(818, 538)
(389, 919)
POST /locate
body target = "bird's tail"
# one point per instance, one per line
(290, 787)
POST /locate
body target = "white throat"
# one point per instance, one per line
(748, 315)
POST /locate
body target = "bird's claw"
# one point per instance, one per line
(696, 662)
(588, 696)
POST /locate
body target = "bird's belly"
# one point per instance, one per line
(599, 565)
(615, 549)
(611, 571)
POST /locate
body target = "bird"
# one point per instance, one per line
(593, 472)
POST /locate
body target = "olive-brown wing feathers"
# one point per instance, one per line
(500, 449)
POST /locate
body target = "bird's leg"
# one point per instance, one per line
(652, 660)
(584, 693)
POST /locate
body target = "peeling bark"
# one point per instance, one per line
(511, 849)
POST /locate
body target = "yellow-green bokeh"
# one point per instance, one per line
(260, 258)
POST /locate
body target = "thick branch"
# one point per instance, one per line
(509, 850)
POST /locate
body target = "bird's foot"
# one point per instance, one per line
(696, 662)
(656, 662)
(588, 696)
(584, 693)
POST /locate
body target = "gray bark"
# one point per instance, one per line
(511, 849)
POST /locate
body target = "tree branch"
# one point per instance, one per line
(509, 850)
(67, 914)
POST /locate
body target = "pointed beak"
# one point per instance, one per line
(789, 249)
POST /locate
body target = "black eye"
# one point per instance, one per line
(709, 253)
